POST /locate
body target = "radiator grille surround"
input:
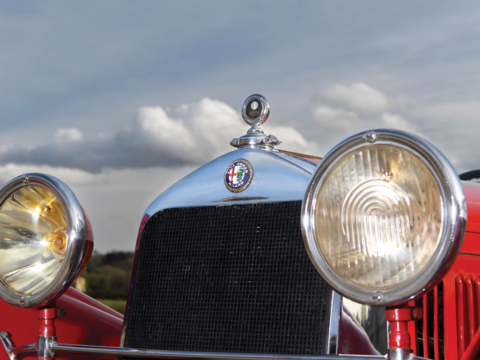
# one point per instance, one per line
(228, 278)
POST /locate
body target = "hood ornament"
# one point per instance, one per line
(255, 111)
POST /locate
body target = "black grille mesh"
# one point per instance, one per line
(229, 278)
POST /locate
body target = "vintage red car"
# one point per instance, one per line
(260, 254)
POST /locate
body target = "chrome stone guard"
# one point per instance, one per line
(47, 346)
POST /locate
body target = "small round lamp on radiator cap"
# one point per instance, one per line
(45, 240)
(383, 217)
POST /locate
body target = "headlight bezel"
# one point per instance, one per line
(79, 241)
(454, 218)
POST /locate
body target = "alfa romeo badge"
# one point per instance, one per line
(238, 176)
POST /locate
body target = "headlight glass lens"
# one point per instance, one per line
(33, 239)
(378, 216)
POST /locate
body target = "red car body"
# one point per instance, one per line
(454, 311)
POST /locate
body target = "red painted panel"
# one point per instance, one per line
(472, 195)
(85, 323)
(435, 323)
(471, 243)
(74, 293)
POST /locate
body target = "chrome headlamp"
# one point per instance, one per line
(45, 239)
(383, 217)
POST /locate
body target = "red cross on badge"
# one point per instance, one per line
(232, 174)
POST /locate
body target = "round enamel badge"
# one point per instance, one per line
(238, 176)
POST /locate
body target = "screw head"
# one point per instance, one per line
(371, 137)
(25, 179)
(23, 302)
(61, 312)
(377, 298)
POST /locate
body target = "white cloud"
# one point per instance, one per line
(72, 177)
(68, 135)
(345, 110)
(334, 118)
(452, 126)
(393, 121)
(451, 112)
(292, 140)
(193, 133)
(360, 97)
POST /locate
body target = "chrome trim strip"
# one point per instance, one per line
(161, 354)
(333, 329)
(242, 198)
(372, 320)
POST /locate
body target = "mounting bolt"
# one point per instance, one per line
(417, 313)
(25, 179)
(371, 137)
(61, 312)
(23, 302)
(377, 298)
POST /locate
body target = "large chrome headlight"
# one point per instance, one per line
(45, 239)
(383, 217)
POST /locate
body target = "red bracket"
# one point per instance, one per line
(47, 328)
(47, 325)
(399, 337)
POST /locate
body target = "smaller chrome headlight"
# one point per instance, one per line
(383, 217)
(45, 239)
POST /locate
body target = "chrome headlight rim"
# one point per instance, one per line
(76, 240)
(453, 229)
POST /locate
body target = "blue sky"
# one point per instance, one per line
(94, 92)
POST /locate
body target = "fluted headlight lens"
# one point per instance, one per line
(33, 239)
(390, 211)
(45, 240)
(379, 217)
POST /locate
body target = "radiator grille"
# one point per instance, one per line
(230, 278)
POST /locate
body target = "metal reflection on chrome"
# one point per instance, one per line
(206, 186)
(172, 354)
(77, 243)
(334, 326)
(372, 320)
(255, 111)
(238, 176)
(452, 232)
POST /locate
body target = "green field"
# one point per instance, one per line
(117, 305)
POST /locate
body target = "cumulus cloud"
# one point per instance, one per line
(334, 118)
(361, 98)
(344, 110)
(72, 177)
(397, 122)
(191, 134)
(68, 135)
